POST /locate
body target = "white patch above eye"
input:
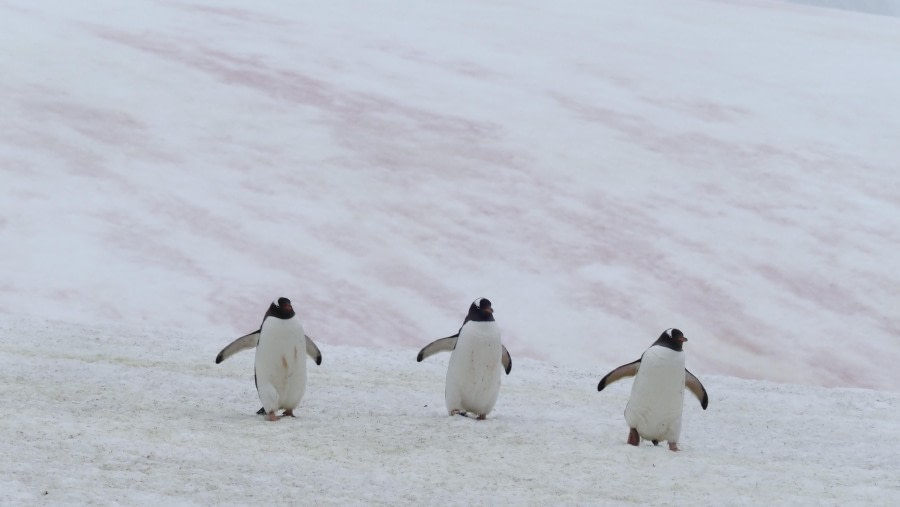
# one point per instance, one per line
(669, 332)
(275, 302)
(477, 303)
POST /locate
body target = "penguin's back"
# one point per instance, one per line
(281, 351)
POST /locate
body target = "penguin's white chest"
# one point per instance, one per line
(657, 395)
(281, 363)
(474, 372)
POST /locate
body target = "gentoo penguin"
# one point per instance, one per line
(654, 409)
(476, 356)
(280, 367)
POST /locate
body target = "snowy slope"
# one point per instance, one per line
(601, 172)
(142, 416)
(879, 7)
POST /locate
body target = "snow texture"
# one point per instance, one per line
(601, 171)
(123, 415)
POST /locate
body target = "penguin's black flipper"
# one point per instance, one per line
(626, 370)
(693, 384)
(248, 341)
(440, 345)
(313, 351)
(506, 360)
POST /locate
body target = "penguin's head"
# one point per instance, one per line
(480, 311)
(281, 308)
(671, 338)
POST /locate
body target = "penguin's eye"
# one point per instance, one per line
(482, 303)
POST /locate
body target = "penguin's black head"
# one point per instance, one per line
(671, 338)
(480, 311)
(281, 308)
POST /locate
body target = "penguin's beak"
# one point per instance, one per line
(489, 310)
(683, 339)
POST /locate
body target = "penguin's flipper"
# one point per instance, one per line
(626, 370)
(312, 351)
(506, 360)
(694, 385)
(248, 341)
(440, 345)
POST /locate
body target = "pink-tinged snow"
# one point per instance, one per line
(601, 172)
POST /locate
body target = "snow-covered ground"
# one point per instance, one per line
(600, 170)
(125, 415)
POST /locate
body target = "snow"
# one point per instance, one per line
(120, 415)
(600, 172)
(880, 7)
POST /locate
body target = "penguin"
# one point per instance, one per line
(654, 409)
(476, 357)
(280, 367)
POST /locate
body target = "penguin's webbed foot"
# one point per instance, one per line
(463, 413)
(288, 413)
(272, 416)
(633, 437)
(673, 446)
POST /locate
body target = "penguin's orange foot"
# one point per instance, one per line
(288, 413)
(633, 437)
(482, 417)
(673, 446)
(272, 416)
